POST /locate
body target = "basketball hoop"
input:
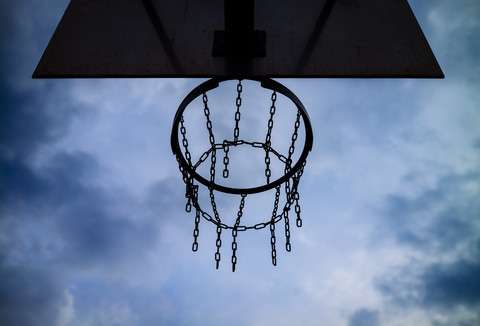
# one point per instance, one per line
(289, 179)
(299, 39)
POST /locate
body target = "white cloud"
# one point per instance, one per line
(67, 311)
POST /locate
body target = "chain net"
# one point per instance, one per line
(221, 150)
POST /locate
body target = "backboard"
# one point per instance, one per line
(180, 38)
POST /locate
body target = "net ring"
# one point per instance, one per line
(265, 83)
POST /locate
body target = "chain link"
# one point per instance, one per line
(214, 206)
(272, 226)
(257, 226)
(234, 232)
(213, 158)
(236, 131)
(187, 179)
(213, 161)
(238, 102)
(299, 221)
(288, 246)
(206, 111)
(183, 131)
(270, 120)
(296, 196)
(292, 196)
(268, 138)
(218, 244)
(196, 231)
(226, 160)
(291, 150)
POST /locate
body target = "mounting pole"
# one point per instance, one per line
(239, 39)
(239, 22)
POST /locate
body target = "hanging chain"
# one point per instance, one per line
(187, 179)
(234, 232)
(196, 231)
(291, 150)
(236, 131)
(268, 138)
(183, 131)
(218, 244)
(297, 195)
(288, 191)
(206, 111)
(238, 102)
(270, 120)
(212, 180)
(298, 210)
(226, 160)
(213, 158)
(272, 226)
(288, 246)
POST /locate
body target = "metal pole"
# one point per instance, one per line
(239, 23)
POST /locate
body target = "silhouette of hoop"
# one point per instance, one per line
(290, 179)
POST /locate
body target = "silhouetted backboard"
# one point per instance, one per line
(174, 38)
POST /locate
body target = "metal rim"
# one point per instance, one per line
(265, 83)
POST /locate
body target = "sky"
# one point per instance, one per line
(93, 229)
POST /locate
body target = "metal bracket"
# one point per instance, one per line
(239, 39)
(225, 47)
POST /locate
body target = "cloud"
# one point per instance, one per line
(458, 56)
(26, 121)
(32, 296)
(441, 218)
(88, 223)
(448, 285)
(18, 181)
(364, 317)
(441, 286)
(58, 217)
(440, 269)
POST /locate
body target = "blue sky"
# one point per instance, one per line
(92, 223)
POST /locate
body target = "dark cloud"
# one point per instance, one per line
(97, 227)
(65, 176)
(440, 218)
(452, 284)
(440, 222)
(18, 181)
(30, 293)
(463, 322)
(30, 296)
(82, 213)
(25, 123)
(97, 234)
(28, 124)
(57, 218)
(410, 238)
(364, 317)
(401, 286)
(439, 286)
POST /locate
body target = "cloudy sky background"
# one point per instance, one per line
(92, 223)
